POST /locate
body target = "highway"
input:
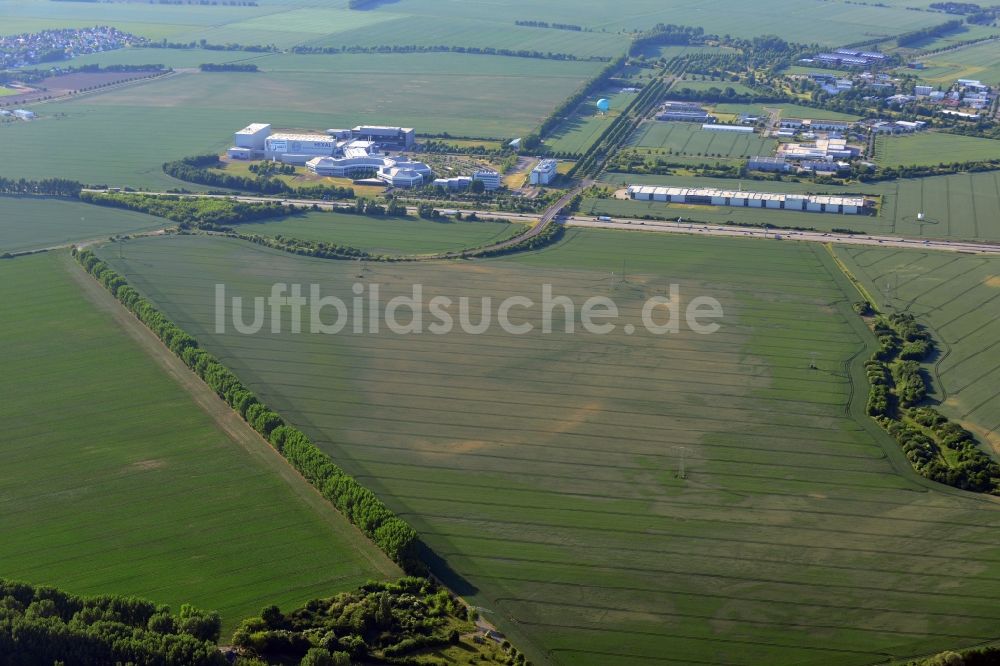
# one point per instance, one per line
(653, 226)
(782, 234)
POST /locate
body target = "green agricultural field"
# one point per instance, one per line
(544, 469)
(387, 235)
(966, 33)
(122, 137)
(153, 20)
(579, 132)
(933, 148)
(980, 61)
(682, 138)
(449, 21)
(958, 207)
(433, 31)
(956, 296)
(116, 481)
(828, 23)
(30, 224)
(702, 86)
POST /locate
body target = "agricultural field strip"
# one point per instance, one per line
(62, 548)
(937, 298)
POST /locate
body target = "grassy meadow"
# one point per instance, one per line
(390, 235)
(797, 111)
(958, 207)
(544, 470)
(979, 61)
(33, 223)
(582, 128)
(116, 481)
(929, 148)
(956, 296)
(682, 138)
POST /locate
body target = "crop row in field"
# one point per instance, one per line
(956, 296)
(960, 206)
(543, 468)
(115, 480)
(390, 235)
(683, 138)
(930, 148)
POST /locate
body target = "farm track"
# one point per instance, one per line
(225, 418)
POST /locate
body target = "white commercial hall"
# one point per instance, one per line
(740, 199)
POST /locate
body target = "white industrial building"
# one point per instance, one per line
(256, 141)
(24, 114)
(252, 137)
(741, 129)
(740, 199)
(399, 137)
(293, 148)
(489, 179)
(544, 172)
(393, 171)
(763, 163)
(454, 183)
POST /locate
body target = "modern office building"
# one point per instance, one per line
(544, 172)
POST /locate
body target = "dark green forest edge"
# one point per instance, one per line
(938, 449)
(409, 621)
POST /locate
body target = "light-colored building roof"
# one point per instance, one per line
(290, 136)
(709, 192)
(254, 128)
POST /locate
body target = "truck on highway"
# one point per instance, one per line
(602, 218)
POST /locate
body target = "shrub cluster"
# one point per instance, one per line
(897, 388)
(59, 187)
(397, 539)
(197, 170)
(203, 213)
(378, 623)
(43, 625)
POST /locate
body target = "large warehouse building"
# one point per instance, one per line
(257, 141)
(739, 199)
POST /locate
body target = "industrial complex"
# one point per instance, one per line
(740, 199)
(339, 153)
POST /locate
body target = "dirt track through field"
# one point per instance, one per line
(227, 420)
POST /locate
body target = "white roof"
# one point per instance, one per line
(287, 136)
(253, 128)
(740, 194)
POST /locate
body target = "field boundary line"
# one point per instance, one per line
(849, 275)
(225, 419)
